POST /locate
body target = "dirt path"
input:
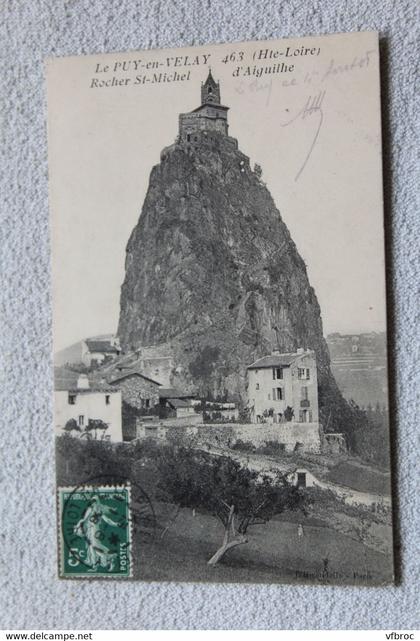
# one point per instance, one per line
(266, 465)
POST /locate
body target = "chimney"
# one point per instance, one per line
(83, 382)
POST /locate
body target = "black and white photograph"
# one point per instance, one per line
(221, 408)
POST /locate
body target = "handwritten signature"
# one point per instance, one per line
(312, 107)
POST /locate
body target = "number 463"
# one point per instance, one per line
(233, 57)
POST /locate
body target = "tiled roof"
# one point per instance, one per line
(179, 402)
(210, 104)
(276, 360)
(67, 382)
(101, 346)
(102, 389)
(171, 392)
(127, 371)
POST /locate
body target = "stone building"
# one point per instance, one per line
(137, 389)
(211, 115)
(158, 368)
(87, 411)
(206, 124)
(284, 388)
(177, 404)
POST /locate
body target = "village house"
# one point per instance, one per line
(284, 388)
(140, 397)
(87, 411)
(177, 404)
(137, 389)
(96, 350)
(145, 399)
(177, 409)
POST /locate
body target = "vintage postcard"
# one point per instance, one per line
(221, 395)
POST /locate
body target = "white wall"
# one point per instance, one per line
(182, 412)
(261, 384)
(91, 405)
(260, 390)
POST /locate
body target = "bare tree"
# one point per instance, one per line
(239, 497)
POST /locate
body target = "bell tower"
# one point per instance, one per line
(210, 116)
(210, 91)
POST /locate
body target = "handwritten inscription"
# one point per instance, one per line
(311, 108)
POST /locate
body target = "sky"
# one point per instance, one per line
(315, 132)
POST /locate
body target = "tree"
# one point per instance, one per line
(289, 414)
(237, 496)
(95, 424)
(371, 438)
(71, 425)
(244, 415)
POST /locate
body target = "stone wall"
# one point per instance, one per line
(291, 434)
(304, 436)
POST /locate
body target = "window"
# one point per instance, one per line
(304, 373)
(301, 479)
(257, 386)
(72, 399)
(81, 420)
(304, 393)
(277, 373)
(277, 394)
(305, 416)
(107, 399)
(147, 402)
(188, 137)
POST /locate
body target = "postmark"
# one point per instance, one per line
(95, 531)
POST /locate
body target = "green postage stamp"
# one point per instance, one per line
(95, 531)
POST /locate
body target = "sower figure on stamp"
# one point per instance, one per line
(89, 528)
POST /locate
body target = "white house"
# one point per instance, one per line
(96, 350)
(86, 411)
(284, 388)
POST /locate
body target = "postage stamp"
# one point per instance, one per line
(95, 531)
